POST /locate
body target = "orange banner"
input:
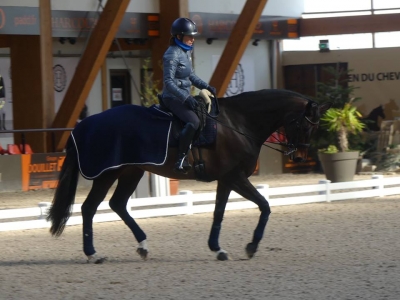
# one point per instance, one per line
(40, 171)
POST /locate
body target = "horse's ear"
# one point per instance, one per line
(324, 107)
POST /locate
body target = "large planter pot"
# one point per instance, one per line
(339, 167)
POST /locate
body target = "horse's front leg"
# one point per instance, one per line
(241, 185)
(221, 199)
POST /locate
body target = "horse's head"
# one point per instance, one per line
(299, 128)
(381, 111)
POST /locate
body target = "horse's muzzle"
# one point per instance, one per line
(300, 155)
(298, 159)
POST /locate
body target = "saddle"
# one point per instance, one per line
(205, 135)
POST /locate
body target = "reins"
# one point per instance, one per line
(291, 147)
(247, 135)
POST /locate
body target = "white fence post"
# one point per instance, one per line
(327, 191)
(189, 201)
(44, 207)
(379, 185)
(264, 190)
(159, 186)
(143, 188)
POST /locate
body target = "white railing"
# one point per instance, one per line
(189, 203)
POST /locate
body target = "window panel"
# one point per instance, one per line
(311, 6)
(388, 11)
(385, 4)
(338, 14)
(387, 39)
(336, 42)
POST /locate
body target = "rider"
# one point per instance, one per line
(178, 78)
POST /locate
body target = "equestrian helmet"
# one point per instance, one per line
(183, 26)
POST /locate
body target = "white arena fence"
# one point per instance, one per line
(188, 203)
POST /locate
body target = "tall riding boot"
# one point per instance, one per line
(185, 139)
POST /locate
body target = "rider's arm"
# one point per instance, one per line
(196, 81)
(170, 64)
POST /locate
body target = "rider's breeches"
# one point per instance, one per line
(183, 112)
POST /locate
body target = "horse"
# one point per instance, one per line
(371, 121)
(245, 121)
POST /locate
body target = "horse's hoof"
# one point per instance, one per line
(222, 255)
(95, 259)
(142, 252)
(251, 249)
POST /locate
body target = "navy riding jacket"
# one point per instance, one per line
(179, 74)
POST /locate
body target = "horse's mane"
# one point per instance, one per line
(274, 98)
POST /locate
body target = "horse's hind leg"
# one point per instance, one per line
(98, 192)
(127, 184)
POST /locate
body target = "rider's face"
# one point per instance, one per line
(188, 40)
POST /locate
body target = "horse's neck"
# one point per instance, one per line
(251, 118)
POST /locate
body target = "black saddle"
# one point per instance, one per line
(207, 132)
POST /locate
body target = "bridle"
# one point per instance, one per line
(291, 147)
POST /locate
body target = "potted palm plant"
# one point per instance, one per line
(338, 161)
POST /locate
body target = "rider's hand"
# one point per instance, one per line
(191, 102)
(212, 90)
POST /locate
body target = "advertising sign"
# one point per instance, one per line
(41, 171)
(212, 25)
(25, 20)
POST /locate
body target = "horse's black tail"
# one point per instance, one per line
(64, 196)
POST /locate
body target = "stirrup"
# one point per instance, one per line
(182, 165)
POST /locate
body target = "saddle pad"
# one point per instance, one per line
(124, 135)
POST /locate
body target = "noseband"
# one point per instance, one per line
(292, 147)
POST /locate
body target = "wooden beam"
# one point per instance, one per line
(88, 67)
(46, 58)
(27, 94)
(104, 90)
(236, 44)
(349, 25)
(5, 41)
(32, 76)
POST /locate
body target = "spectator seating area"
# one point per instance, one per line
(13, 149)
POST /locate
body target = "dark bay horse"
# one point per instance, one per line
(247, 120)
(371, 121)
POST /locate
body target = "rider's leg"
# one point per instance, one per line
(185, 139)
(192, 123)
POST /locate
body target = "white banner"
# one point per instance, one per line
(243, 78)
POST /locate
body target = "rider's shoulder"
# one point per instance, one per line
(173, 51)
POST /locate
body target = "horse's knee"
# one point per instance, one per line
(265, 208)
(115, 205)
(87, 209)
